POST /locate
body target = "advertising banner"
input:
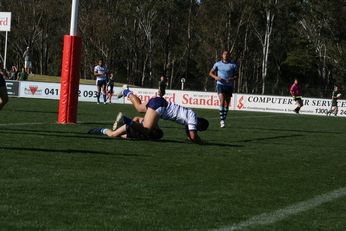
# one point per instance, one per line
(12, 88)
(281, 104)
(192, 99)
(40, 90)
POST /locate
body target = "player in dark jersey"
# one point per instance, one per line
(162, 86)
(336, 94)
(3, 90)
(127, 128)
(110, 87)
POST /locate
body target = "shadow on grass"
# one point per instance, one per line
(84, 135)
(70, 151)
(269, 138)
(49, 133)
(208, 143)
(293, 130)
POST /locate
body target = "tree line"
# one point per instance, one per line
(272, 41)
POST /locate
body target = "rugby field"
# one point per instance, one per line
(263, 172)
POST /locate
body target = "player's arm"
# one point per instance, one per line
(96, 73)
(193, 136)
(293, 90)
(212, 73)
(235, 74)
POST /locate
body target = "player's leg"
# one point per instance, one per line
(335, 110)
(104, 93)
(222, 109)
(136, 102)
(227, 97)
(98, 88)
(300, 104)
(119, 132)
(110, 93)
(151, 119)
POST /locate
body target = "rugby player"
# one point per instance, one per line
(336, 94)
(3, 90)
(100, 72)
(158, 107)
(224, 72)
(127, 128)
(295, 91)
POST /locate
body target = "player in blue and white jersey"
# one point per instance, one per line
(100, 72)
(224, 72)
(158, 107)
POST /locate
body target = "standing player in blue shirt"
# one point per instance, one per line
(224, 72)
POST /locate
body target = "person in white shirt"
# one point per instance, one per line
(100, 72)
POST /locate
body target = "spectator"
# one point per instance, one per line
(13, 73)
(162, 86)
(27, 60)
(23, 75)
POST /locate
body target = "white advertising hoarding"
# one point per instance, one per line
(282, 104)
(192, 99)
(39, 90)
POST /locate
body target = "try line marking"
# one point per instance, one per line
(280, 214)
(41, 123)
(111, 121)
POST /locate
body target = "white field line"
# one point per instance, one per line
(280, 214)
(41, 123)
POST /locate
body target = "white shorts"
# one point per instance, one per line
(27, 64)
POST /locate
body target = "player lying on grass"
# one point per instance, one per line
(158, 107)
(126, 128)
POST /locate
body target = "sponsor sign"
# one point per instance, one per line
(52, 91)
(281, 104)
(5, 21)
(12, 88)
(192, 99)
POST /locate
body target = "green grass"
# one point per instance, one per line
(57, 177)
